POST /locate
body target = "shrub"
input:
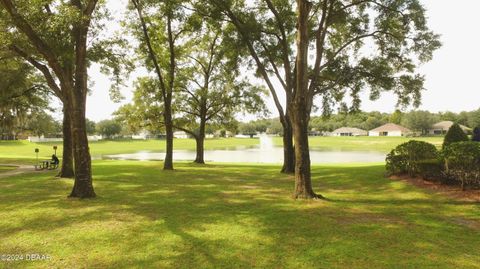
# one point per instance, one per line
(432, 170)
(414, 158)
(462, 162)
(476, 134)
(454, 134)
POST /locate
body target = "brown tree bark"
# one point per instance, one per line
(288, 148)
(301, 107)
(83, 186)
(77, 99)
(200, 140)
(168, 163)
(67, 157)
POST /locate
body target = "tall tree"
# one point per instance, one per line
(394, 34)
(265, 33)
(23, 95)
(163, 25)
(210, 92)
(54, 38)
(419, 120)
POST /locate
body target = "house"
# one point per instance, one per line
(349, 131)
(442, 127)
(389, 129)
(180, 135)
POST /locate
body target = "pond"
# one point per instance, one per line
(266, 153)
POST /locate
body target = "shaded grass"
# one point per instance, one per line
(224, 216)
(362, 143)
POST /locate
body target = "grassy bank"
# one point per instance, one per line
(363, 143)
(24, 151)
(224, 216)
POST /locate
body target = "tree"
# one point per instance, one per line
(398, 36)
(53, 37)
(42, 124)
(108, 128)
(419, 120)
(23, 95)
(163, 25)
(454, 134)
(248, 129)
(396, 117)
(265, 33)
(90, 125)
(209, 89)
(474, 118)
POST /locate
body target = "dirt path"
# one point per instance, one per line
(21, 169)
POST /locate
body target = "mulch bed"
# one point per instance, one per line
(455, 192)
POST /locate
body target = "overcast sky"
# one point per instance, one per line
(452, 76)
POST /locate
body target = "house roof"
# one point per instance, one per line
(445, 125)
(349, 130)
(390, 127)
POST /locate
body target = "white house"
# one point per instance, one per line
(180, 134)
(143, 135)
(389, 129)
(349, 131)
(442, 127)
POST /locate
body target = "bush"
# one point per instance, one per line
(462, 162)
(432, 170)
(476, 134)
(454, 134)
(413, 158)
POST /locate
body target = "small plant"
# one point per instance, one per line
(454, 134)
(412, 158)
(462, 162)
(476, 134)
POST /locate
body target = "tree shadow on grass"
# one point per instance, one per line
(236, 216)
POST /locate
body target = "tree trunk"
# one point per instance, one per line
(288, 148)
(168, 164)
(77, 100)
(200, 150)
(200, 139)
(300, 108)
(303, 181)
(67, 157)
(83, 187)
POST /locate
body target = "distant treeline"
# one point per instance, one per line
(418, 121)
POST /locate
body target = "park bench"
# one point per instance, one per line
(47, 164)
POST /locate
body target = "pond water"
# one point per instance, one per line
(266, 152)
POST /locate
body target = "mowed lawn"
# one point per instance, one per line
(234, 216)
(362, 143)
(24, 151)
(6, 168)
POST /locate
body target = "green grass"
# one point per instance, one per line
(6, 168)
(24, 151)
(234, 216)
(363, 143)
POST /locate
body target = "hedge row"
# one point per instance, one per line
(457, 161)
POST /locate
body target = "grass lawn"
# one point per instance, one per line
(363, 143)
(6, 168)
(24, 151)
(234, 216)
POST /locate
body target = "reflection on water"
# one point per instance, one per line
(265, 153)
